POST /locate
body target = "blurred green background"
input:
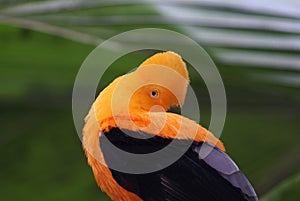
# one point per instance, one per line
(255, 44)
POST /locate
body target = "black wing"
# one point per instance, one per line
(215, 178)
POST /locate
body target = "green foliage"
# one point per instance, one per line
(42, 155)
(288, 190)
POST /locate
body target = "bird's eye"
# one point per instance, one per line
(154, 93)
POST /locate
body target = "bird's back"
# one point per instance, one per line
(187, 179)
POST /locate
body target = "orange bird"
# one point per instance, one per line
(129, 122)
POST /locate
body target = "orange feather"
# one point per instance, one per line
(139, 114)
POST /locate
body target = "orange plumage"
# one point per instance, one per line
(140, 112)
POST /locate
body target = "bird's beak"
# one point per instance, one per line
(175, 109)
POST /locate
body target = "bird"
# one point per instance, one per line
(132, 114)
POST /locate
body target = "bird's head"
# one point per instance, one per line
(159, 83)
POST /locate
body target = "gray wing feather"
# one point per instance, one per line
(227, 168)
